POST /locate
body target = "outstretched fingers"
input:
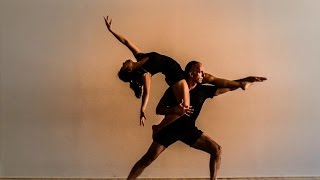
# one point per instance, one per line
(142, 118)
(142, 121)
(108, 22)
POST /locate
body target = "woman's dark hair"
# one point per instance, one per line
(189, 67)
(125, 75)
(134, 78)
(136, 86)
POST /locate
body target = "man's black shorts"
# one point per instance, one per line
(170, 134)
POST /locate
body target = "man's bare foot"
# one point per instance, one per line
(246, 85)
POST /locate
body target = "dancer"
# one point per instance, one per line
(139, 74)
(184, 128)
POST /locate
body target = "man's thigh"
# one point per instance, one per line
(155, 150)
(166, 136)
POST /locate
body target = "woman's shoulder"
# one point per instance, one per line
(140, 56)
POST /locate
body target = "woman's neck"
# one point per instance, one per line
(140, 63)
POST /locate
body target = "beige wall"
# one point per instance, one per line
(2, 133)
(64, 113)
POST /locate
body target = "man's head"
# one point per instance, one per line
(194, 72)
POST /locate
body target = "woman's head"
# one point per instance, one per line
(127, 65)
(125, 73)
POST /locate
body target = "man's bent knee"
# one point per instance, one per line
(215, 151)
(215, 148)
(219, 152)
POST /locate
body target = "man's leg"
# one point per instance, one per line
(205, 143)
(154, 151)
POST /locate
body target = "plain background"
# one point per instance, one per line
(64, 113)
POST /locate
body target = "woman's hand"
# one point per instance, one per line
(108, 22)
(133, 48)
(142, 118)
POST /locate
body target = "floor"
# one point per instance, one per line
(252, 178)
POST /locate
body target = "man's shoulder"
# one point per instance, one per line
(205, 86)
(208, 90)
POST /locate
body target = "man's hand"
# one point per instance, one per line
(142, 118)
(183, 110)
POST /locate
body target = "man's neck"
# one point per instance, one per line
(191, 84)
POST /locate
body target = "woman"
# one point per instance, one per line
(139, 75)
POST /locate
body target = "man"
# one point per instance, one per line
(184, 128)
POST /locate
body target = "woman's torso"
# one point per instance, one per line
(160, 63)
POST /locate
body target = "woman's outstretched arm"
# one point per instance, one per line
(146, 80)
(133, 48)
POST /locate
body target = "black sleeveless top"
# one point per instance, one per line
(198, 96)
(161, 63)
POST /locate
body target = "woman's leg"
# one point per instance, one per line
(181, 92)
